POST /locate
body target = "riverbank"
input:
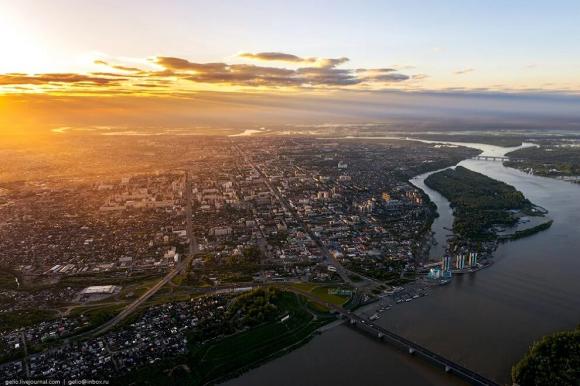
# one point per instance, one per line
(518, 234)
(556, 158)
(482, 320)
(292, 322)
(522, 282)
(486, 211)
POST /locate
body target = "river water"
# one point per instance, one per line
(485, 321)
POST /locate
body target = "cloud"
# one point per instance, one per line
(175, 75)
(276, 56)
(322, 73)
(117, 67)
(375, 70)
(289, 58)
(243, 74)
(419, 76)
(40, 79)
(464, 71)
(172, 63)
(322, 62)
(391, 77)
(327, 76)
(388, 75)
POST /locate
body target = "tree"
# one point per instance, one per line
(552, 361)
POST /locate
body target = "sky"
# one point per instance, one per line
(71, 53)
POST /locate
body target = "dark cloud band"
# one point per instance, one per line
(311, 72)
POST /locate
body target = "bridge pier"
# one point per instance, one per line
(417, 351)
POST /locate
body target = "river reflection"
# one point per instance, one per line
(485, 321)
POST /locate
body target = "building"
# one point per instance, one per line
(473, 259)
(434, 274)
(101, 290)
(460, 261)
(446, 263)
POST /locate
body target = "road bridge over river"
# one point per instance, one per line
(496, 158)
(415, 349)
(366, 326)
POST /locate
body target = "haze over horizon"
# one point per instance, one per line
(142, 64)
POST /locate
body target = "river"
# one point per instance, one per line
(485, 321)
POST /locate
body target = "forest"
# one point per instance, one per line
(553, 360)
(479, 202)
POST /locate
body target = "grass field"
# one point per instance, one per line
(321, 291)
(253, 346)
(23, 318)
(307, 287)
(7, 281)
(98, 314)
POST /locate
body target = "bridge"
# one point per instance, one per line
(415, 349)
(495, 158)
(366, 326)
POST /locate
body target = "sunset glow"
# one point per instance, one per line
(66, 53)
(289, 192)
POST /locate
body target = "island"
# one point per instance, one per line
(486, 210)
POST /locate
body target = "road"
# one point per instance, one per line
(340, 270)
(192, 246)
(26, 365)
(192, 241)
(133, 306)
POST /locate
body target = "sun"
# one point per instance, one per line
(22, 49)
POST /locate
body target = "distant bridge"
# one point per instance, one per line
(496, 158)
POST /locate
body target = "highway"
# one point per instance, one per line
(133, 306)
(340, 270)
(151, 291)
(192, 241)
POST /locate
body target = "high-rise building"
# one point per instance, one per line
(460, 261)
(446, 263)
(473, 259)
